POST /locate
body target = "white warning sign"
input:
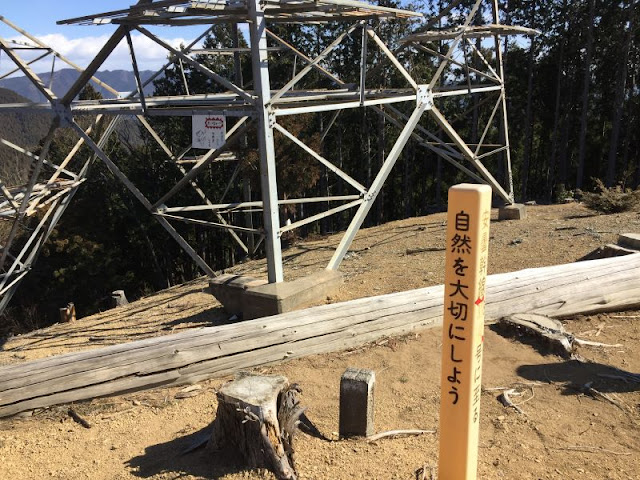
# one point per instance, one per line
(208, 131)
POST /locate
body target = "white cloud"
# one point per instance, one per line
(149, 55)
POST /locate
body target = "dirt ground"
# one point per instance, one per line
(562, 432)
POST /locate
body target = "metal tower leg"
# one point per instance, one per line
(503, 97)
(266, 120)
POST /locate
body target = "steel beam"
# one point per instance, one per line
(324, 54)
(26, 69)
(354, 183)
(34, 173)
(301, 55)
(503, 101)
(261, 81)
(195, 186)
(142, 199)
(321, 215)
(376, 186)
(466, 151)
(136, 72)
(211, 74)
(95, 64)
(233, 206)
(235, 134)
(454, 45)
(393, 58)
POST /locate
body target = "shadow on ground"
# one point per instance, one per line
(185, 456)
(101, 332)
(576, 375)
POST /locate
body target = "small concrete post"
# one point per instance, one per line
(356, 402)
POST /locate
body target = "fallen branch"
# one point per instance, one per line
(78, 419)
(421, 473)
(397, 434)
(519, 384)
(589, 343)
(516, 390)
(505, 400)
(551, 331)
(190, 391)
(413, 251)
(587, 388)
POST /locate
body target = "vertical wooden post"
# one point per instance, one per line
(468, 218)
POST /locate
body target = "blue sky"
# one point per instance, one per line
(80, 43)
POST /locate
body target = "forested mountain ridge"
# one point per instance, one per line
(22, 129)
(121, 80)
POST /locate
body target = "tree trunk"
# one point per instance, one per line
(586, 84)
(551, 166)
(528, 132)
(409, 160)
(618, 106)
(381, 157)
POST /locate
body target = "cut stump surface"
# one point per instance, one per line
(257, 417)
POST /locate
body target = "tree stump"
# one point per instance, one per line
(68, 313)
(118, 298)
(257, 417)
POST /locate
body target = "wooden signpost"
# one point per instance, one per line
(468, 218)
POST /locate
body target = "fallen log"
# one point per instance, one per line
(585, 287)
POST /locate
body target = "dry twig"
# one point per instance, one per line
(590, 449)
(589, 343)
(421, 473)
(505, 400)
(397, 433)
(587, 388)
(78, 419)
(517, 390)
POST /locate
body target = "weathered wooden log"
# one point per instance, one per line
(256, 418)
(564, 290)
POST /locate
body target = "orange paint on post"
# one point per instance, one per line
(468, 218)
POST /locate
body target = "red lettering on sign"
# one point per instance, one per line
(213, 122)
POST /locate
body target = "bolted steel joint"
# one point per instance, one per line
(271, 118)
(424, 96)
(63, 113)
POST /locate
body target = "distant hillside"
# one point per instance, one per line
(121, 80)
(23, 129)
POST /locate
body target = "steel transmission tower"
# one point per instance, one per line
(467, 68)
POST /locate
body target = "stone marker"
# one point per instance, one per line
(356, 402)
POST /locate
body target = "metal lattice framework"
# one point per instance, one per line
(413, 106)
